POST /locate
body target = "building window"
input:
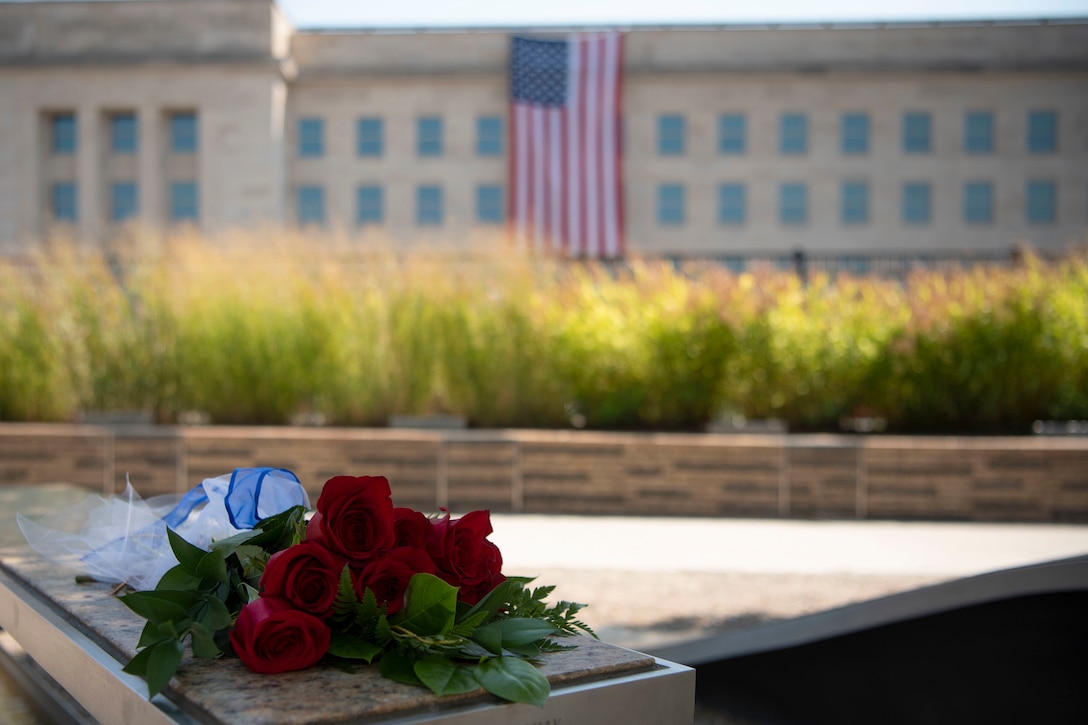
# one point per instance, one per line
(1041, 202)
(183, 133)
(429, 210)
(732, 129)
(123, 133)
(429, 136)
(855, 202)
(489, 136)
(670, 204)
(369, 205)
(489, 204)
(855, 133)
(917, 127)
(1042, 132)
(916, 203)
(124, 201)
(62, 133)
(63, 200)
(978, 132)
(311, 137)
(978, 202)
(793, 133)
(792, 203)
(731, 203)
(311, 205)
(183, 201)
(670, 135)
(370, 139)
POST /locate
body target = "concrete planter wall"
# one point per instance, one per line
(771, 475)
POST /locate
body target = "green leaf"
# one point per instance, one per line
(513, 679)
(467, 625)
(494, 600)
(253, 560)
(353, 648)
(444, 677)
(216, 615)
(489, 639)
(162, 664)
(397, 667)
(203, 642)
(150, 635)
(160, 606)
(138, 664)
(522, 631)
(179, 578)
(188, 555)
(251, 593)
(432, 604)
(213, 566)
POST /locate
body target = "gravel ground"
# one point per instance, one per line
(643, 609)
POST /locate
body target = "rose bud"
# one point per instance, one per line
(355, 518)
(411, 527)
(388, 577)
(307, 575)
(271, 636)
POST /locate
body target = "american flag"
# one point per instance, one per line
(565, 174)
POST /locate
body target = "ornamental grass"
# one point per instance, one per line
(270, 328)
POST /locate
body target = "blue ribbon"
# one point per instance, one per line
(280, 487)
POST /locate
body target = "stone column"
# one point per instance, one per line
(92, 195)
(154, 209)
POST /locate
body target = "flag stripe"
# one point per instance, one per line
(565, 166)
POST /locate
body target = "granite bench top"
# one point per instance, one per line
(224, 691)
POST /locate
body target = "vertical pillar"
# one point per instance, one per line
(153, 209)
(89, 175)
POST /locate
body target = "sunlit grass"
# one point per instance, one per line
(266, 326)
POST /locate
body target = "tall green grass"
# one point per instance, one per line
(264, 327)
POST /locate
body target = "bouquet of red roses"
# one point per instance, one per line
(425, 598)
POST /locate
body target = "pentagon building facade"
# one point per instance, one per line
(907, 139)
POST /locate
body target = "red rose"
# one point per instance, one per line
(307, 575)
(472, 593)
(271, 636)
(354, 518)
(388, 576)
(463, 555)
(412, 527)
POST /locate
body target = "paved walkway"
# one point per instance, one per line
(651, 581)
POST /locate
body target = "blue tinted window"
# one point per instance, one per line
(369, 205)
(183, 133)
(124, 201)
(489, 136)
(978, 202)
(855, 133)
(429, 136)
(370, 137)
(670, 204)
(1042, 132)
(184, 204)
(670, 135)
(731, 203)
(916, 203)
(63, 200)
(1041, 202)
(916, 133)
(792, 203)
(978, 132)
(123, 133)
(311, 137)
(732, 133)
(489, 204)
(855, 202)
(429, 210)
(793, 133)
(311, 205)
(62, 128)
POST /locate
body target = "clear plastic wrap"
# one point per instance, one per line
(123, 538)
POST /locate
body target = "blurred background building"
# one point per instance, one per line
(852, 140)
